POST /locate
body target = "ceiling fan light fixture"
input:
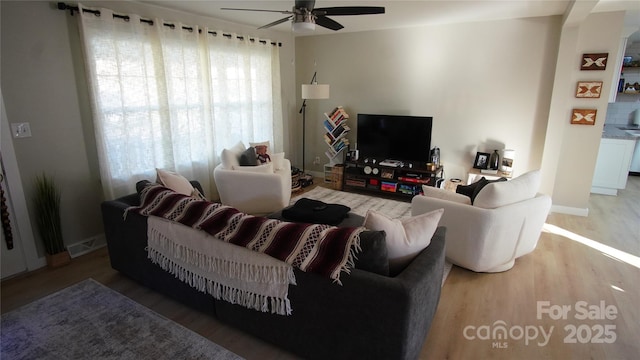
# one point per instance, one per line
(303, 27)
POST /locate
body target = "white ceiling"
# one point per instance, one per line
(405, 13)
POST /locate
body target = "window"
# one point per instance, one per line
(166, 97)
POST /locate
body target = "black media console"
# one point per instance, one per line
(378, 175)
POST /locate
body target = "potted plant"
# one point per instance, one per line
(47, 207)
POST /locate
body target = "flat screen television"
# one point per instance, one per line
(395, 137)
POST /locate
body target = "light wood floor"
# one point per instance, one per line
(561, 271)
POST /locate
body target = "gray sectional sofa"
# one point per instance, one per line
(369, 316)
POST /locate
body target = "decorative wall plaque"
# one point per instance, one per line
(594, 61)
(589, 89)
(584, 116)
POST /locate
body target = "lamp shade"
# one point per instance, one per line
(315, 91)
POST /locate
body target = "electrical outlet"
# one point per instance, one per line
(20, 130)
(316, 161)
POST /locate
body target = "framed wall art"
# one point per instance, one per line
(584, 116)
(589, 89)
(594, 61)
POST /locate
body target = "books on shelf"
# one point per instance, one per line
(413, 180)
(337, 130)
(337, 115)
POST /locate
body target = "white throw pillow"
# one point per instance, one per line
(174, 181)
(407, 237)
(230, 157)
(263, 169)
(503, 193)
(278, 161)
(434, 192)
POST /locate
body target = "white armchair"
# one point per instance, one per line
(503, 224)
(256, 190)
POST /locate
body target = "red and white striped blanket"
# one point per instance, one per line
(322, 249)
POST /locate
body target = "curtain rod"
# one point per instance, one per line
(72, 9)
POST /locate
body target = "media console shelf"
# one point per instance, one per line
(402, 181)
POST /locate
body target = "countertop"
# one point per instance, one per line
(613, 131)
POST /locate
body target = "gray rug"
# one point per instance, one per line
(90, 321)
(360, 204)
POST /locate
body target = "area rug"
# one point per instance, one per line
(360, 204)
(90, 321)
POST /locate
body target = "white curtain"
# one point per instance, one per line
(167, 97)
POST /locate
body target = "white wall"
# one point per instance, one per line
(571, 150)
(486, 84)
(43, 83)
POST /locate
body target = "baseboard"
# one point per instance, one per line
(87, 245)
(604, 191)
(569, 210)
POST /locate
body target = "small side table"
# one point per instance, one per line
(475, 175)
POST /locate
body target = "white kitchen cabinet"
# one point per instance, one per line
(635, 161)
(612, 166)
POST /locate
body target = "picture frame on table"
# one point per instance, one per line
(481, 161)
(387, 174)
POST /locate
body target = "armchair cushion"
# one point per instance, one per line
(472, 190)
(278, 161)
(230, 157)
(248, 157)
(498, 194)
(434, 192)
(262, 169)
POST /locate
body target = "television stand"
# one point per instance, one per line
(402, 181)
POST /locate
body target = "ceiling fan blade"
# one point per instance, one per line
(275, 23)
(328, 23)
(275, 11)
(349, 10)
(307, 4)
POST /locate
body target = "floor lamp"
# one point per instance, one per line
(310, 91)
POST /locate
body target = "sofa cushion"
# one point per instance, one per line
(443, 194)
(248, 157)
(373, 255)
(499, 194)
(174, 181)
(230, 157)
(405, 238)
(140, 185)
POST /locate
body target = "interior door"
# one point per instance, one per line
(12, 259)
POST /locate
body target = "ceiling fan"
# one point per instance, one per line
(304, 16)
